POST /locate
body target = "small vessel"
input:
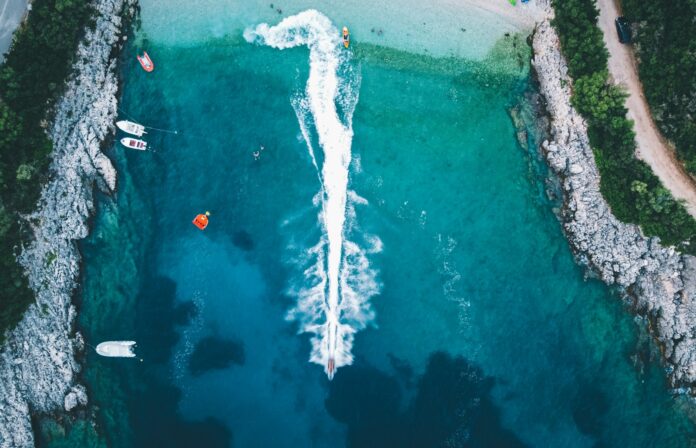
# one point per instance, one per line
(134, 143)
(117, 349)
(330, 368)
(131, 128)
(146, 62)
(201, 221)
(346, 37)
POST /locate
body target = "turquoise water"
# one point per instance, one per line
(485, 332)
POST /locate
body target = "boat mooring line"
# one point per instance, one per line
(147, 127)
(162, 130)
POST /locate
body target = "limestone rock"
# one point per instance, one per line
(37, 363)
(661, 281)
(76, 397)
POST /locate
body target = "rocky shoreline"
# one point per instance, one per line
(660, 282)
(38, 370)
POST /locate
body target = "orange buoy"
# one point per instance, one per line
(201, 221)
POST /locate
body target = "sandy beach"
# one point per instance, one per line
(524, 15)
(462, 28)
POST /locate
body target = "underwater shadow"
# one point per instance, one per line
(450, 406)
(154, 402)
(212, 353)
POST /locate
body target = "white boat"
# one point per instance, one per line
(117, 349)
(131, 128)
(134, 143)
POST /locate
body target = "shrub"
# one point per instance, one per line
(666, 49)
(31, 79)
(633, 192)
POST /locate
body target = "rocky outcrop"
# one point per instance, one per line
(37, 363)
(660, 281)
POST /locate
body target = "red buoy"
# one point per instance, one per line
(201, 221)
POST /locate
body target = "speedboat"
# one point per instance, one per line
(146, 62)
(134, 143)
(346, 37)
(117, 349)
(131, 128)
(330, 368)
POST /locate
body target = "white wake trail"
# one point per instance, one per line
(336, 304)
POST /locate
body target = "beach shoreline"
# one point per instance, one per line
(467, 29)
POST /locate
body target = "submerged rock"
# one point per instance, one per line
(37, 363)
(76, 397)
(661, 281)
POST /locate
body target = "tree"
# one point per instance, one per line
(599, 101)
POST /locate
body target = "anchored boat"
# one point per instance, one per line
(131, 128)
(117, 349)
(346, 37)
(134, 143)
(146, 62)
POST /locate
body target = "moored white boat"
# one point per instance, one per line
(131, 128)
(134, 143)
(117, 349)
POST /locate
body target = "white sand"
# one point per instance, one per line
(432, 26)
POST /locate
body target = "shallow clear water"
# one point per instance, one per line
(439, 28)
(485, 331)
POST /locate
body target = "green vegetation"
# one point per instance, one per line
(31, 79)
(633, 192)
(666, 47)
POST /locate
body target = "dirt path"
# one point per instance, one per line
(652, 147)
(12, 13)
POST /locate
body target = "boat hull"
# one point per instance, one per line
(116, 349)
(145, 62)
(131, 128)
(134, 143)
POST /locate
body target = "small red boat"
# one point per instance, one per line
(146, 62)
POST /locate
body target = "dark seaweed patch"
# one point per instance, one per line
(212, 353)
(243, 240)
(452, 406)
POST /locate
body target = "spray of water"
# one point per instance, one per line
(333, 302)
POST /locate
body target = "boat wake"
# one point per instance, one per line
(333, 299)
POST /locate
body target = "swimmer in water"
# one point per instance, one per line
(256, 154)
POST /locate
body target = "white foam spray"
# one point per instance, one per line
(333, 301)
